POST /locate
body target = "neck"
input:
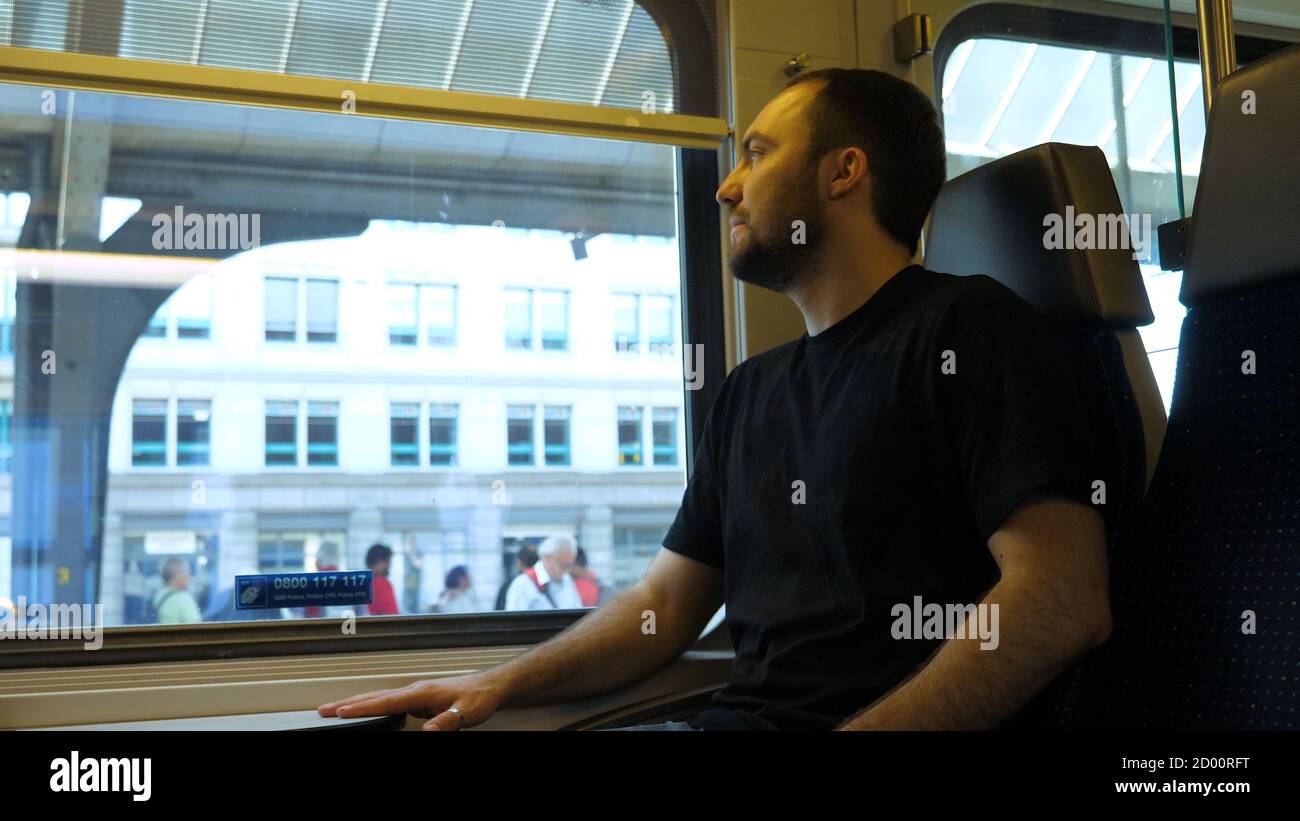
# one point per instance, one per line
(847, 274)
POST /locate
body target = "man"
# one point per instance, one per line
(173, 602)
(547, 585)
(916, 447)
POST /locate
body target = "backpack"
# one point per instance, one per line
(544, 588)
(151, 611)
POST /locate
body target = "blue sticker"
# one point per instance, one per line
(330, 589)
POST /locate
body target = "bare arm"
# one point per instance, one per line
(1053, 606)
(606, 649)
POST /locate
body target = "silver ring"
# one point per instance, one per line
(459, 715)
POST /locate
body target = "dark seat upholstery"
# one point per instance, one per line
(991, 221)
(1206, 584)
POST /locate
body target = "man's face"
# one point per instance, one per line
(773, 186)
(559, 563)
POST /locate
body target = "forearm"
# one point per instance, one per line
(964, 687)
(605, 650)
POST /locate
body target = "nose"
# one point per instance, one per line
(729, 193)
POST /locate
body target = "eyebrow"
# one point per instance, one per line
(755, 135)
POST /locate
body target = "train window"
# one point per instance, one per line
(288, 367)
(1012, 77)
(246, 332)
(595, 52)
(1001, 96)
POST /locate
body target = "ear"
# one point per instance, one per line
(848, 171)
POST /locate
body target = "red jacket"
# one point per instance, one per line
(588, 589)
(384, 602)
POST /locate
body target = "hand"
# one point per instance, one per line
(474, 696)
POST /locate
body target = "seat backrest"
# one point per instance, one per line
(994, 220)
(1205, 583)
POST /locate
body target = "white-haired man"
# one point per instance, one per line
(547, 585)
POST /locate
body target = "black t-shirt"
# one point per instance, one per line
(842, 474)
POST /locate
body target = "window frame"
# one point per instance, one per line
(1080, 29)
(702, 150)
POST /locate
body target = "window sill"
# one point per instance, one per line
(282, 694)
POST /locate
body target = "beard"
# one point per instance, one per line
(770, 258)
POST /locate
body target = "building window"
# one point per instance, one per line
(410, 304)
(627, 323)
(442, 434)
(157, 327)
(404, 434)
(519, 319)
(6, 437)
(192, 307)
(281, 309)
(281, 433)
(403, 314)
(659, 319)
(554, 308)
(629, 436)
(322, 310)
(556, 434)
(281, 552)
(552, 319)
(439, 305)
(322, 433)
(519, 435)
(665, 436)
(149, 432)
(320, 304)
(193, 431)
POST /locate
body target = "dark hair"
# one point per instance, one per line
(580, 558)
(896, 126)
(527, 555)
(378, 553)
(455, 576)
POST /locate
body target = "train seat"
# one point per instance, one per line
(991, 220)
(1205, 585)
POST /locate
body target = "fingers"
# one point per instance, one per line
(407, 699)
(330, 708)
(446, 721)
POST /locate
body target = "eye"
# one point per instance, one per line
(754, 154)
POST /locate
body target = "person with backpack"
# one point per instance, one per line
(547, 585)
(173, 603)
(525, 557)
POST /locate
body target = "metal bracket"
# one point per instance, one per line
(1172, 237)
(913, 36)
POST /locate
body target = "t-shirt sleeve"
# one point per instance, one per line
(1011, 409)
(696, 533)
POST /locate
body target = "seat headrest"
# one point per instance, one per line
(994, 220)
(1243, 231)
